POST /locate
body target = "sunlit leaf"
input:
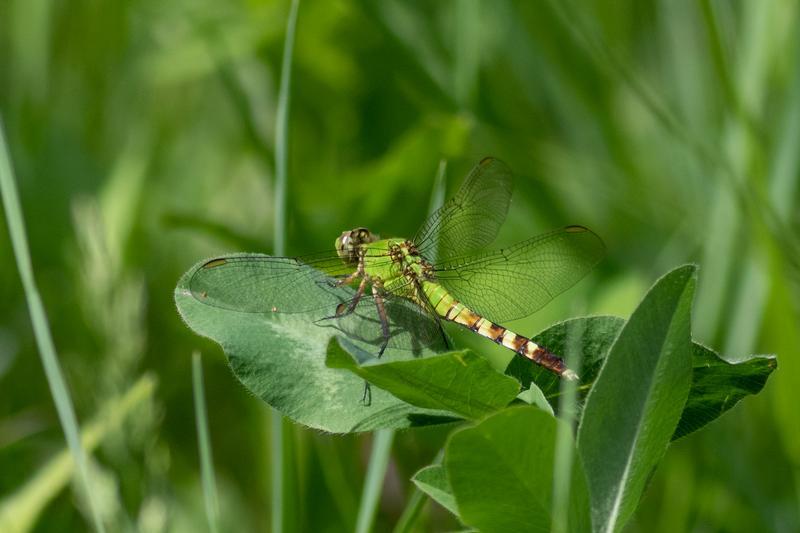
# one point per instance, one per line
(432, 480)
(717, 384)
(501, 473)
(461, 382)
(280, 358)
(634, 406)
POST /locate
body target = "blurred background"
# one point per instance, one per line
(142, 134)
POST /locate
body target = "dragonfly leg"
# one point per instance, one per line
(341, 310)
(376, 292)
(357, 298)
(359, 273)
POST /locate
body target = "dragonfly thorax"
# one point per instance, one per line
(413, 265)
(350, 242)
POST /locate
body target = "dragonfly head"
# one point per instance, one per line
(348, 243)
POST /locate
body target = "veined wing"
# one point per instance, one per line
(517, 281)
(471, 219)
(411, 327)
(256, 283)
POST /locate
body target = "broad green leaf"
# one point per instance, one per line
(598, 335)
(535, 396)
(501, 473)
(717, 384)
(432, 480)
(634, 406)
(461, 382)
(281, 359)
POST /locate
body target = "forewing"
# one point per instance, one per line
(517, 281)
(255, 283)
(471, 219)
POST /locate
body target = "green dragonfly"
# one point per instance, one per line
(398, 292)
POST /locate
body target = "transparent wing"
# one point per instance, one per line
(517, 281)
(471, 219)
(255, 283)
(411, 327)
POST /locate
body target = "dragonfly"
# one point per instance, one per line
(398, 292)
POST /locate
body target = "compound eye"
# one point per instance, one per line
(343, 245)
(364, 236)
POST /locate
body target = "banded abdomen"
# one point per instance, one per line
(447, 307)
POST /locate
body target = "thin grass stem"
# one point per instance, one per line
(20, 510)
(415, 503)
(373, 484)
(417, 499)
(278, 457)
(468, 51)
(281, 133)
(412, 511)
(204, 444)
(564, 452)
(41, 328)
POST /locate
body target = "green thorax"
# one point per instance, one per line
(394, 263)
(395, 266)
(401, 270)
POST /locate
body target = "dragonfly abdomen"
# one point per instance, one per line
(452, 310)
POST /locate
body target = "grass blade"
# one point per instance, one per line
(439, 186)
(417, 500)
(279, 459)
(281, 134)
(41, 328)
(565, 447)
(411, 512)
(468, 51)
(378, 461)
(19, 511)
(335, 477)
(204, 444)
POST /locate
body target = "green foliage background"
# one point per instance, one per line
(142, 137)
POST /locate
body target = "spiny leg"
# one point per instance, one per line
(378, 295)
(341, 310)
(359, 293)
(379, 304)
(359, 273)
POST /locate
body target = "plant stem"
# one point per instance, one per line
(468, 45)
(410, 514)
(416, 503)
(378, 462)
(281, 135)
(41, 328)
(204, 444)
(19, 511)
(565, 448)
(278, 455)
